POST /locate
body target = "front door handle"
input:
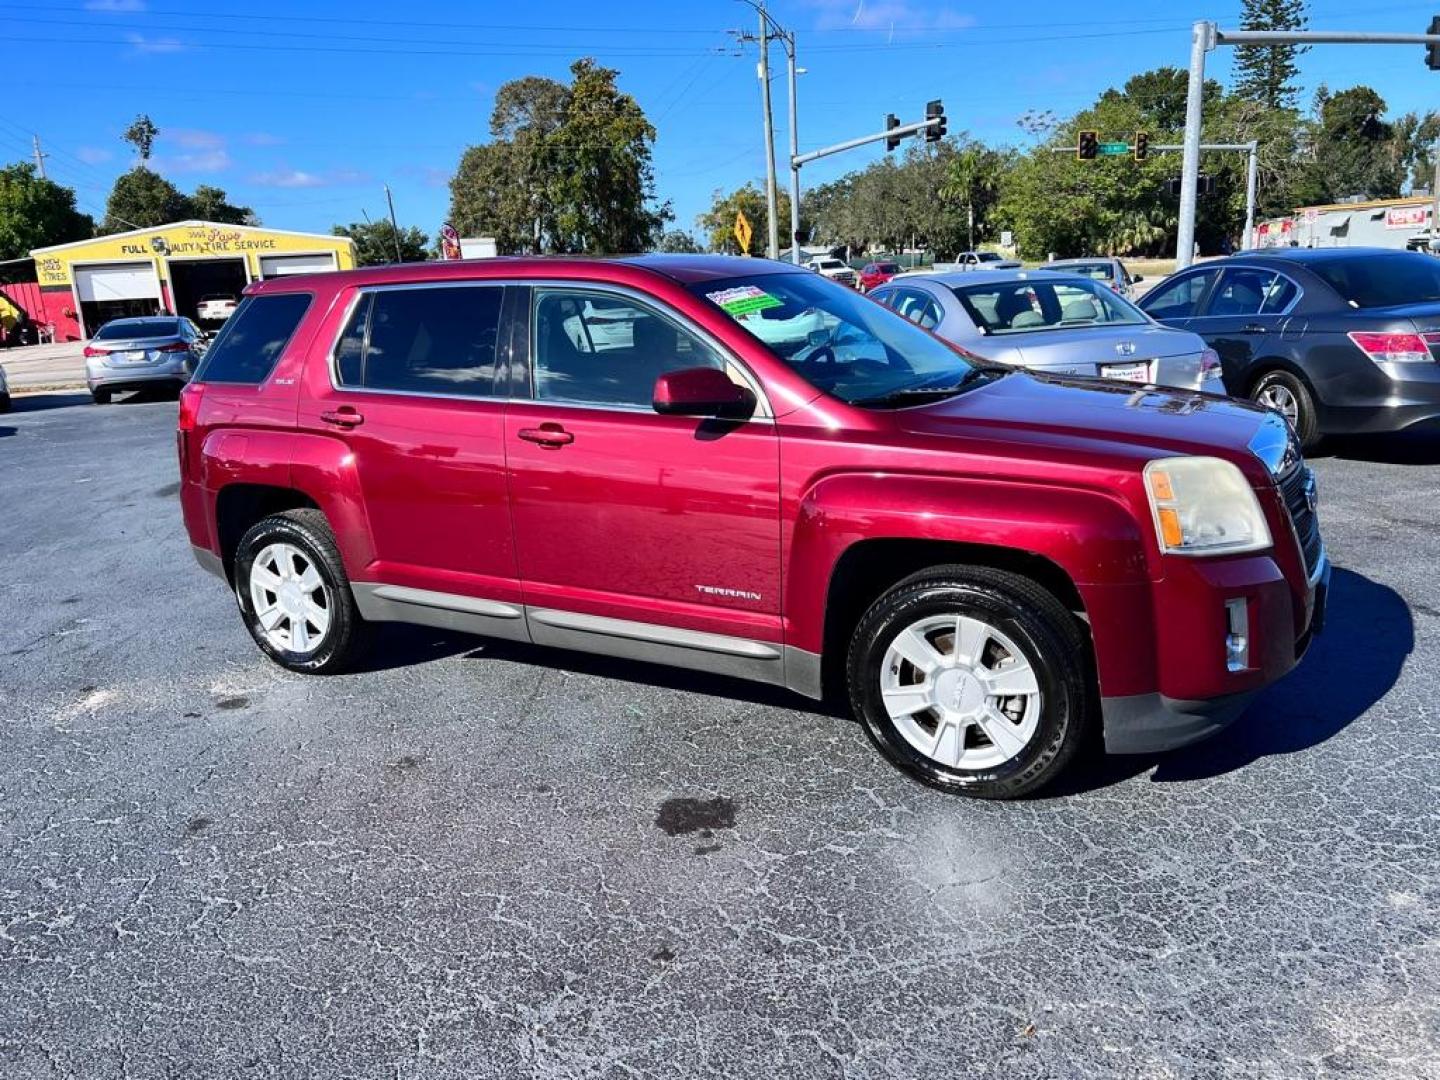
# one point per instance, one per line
(550, 435)
(346, 416)
(1253, 328)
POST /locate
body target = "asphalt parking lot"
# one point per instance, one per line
(479, 860)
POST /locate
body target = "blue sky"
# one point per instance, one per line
(304, 109)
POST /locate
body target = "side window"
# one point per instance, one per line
(599, 349)
(1240, 292)
(253, 338)
(1279, 296)
(425, 340)
(1177, 299)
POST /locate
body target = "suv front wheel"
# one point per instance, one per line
(294, 595)
(972, 680)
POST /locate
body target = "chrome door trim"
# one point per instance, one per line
(652, 632)
(446, 611)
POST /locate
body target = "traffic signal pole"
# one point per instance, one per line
(1205, 38)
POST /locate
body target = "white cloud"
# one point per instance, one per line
(896, 15)
(288, 178)
(194, 138)
(115, 5)
(147, 46)
(261, 138)
(210, 160)
(93, 155)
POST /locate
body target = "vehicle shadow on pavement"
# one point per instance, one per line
(1417, 446)
(656, 676)
(1327, 692)
(24, 403)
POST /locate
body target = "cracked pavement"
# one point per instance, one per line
(486, 860)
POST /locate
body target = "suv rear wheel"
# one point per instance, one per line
(294, 596)
(972, 680)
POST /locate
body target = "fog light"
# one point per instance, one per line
(1237, 639)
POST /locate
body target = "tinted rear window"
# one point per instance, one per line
(253, 339)
(437, 340)
(1381, 280)
(137, 328)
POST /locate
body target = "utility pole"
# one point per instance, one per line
(39, 157)
(794, 151)
(772, 200)
(1435, 201)
(1252, 182)
(394, 228)
(1205, 37)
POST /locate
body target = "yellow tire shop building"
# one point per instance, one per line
(170, 268)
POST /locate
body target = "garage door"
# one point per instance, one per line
(280, 265)
(118, 281)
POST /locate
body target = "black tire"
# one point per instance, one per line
(5, 403)
(100, 396)
(1029, 615)
(307, 530)
(1307, 424)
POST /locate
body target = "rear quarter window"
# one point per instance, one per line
(253, 338)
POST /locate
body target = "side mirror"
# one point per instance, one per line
(1136, 279)
(700, 392)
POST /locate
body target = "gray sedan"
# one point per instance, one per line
(1103, 268)
(134, 354)
(1063, 324)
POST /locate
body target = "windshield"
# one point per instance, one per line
(1366, 281)
(136, 328)
(1026, 305)
(887, 268)
(989, 256)
(836, 339)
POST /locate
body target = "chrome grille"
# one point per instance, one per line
(1297, 488)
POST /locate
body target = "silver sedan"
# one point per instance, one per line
(134, 354)
(1064, 324)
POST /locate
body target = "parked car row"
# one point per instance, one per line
(769, 476)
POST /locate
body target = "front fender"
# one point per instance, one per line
(1091, 535)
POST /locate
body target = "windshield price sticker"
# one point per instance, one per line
(743, 299)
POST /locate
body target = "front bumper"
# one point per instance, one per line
(1154, 722)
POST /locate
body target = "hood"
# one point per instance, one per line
(1088, 417)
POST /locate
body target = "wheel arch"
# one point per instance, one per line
(1274, 362)
(240, 505)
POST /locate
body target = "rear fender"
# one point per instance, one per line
(324, 469)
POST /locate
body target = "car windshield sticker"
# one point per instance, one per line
(744, 299)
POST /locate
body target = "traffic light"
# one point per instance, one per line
(935, 132)
(1432, 51)
(1088, 146)
(1204, 185)
(1142, 145)
(891, 123)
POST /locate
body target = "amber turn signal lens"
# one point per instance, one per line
(1160, 485)
(1170, 530)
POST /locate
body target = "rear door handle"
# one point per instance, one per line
(551, 435)
(1253, 328)
(345, 417)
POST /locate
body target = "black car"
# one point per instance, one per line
(1340, 340)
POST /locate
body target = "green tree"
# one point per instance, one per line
(568, 169)
(375, 242)
(142, 199)
(973, 181)
(210, 203)
(1352, 149)
(718, 223)
(678, 242)
(36, 213)
(1415, 140)
(141, 134)
(1266, 73)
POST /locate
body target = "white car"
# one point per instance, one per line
(977, 260)
(215, 308)
(835, 269)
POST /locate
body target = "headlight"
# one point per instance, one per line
(1203, 506)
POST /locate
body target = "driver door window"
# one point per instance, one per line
(601, 349)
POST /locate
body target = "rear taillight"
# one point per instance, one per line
(189, 419)
(1209, 364)
(174, 346)
(1392, 348)
(90, 351)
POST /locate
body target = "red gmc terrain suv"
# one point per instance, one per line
(740, 467)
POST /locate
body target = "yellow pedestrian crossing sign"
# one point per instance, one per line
(743, 232)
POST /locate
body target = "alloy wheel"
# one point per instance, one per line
(960, 691)
(1277, 396)
(291, 601)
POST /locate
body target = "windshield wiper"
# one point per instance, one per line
(907, 393)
